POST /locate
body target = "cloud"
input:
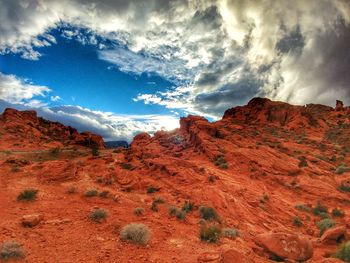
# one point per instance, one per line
(16, 90)
(109, 125)
(55, 98)
(217, 53)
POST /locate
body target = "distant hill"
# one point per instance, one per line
(115, 144)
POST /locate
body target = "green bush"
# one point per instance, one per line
(98, 215)
(208, 213)
(303, 207)
(11, 250)
(138, 211)
(319, 208)
(209, 233)
(156, 202)
(91, 192)
(343, 252)
(187, 206)
(297, 222)
(344, 188)
(325, 224)
(136, 233)
(152, 189)
(27, 195)
(104, 194)
(342, 168)
(336, 212)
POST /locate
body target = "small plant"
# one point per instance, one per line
(136, 233)
(104, 194)
(91, 192)
(27, 195)
(94, 150)
(302, 207)
(343, 188)
(342, 168)
(208, 213)
(319, 208)
(100, 180)
(98, 215)
(187, 206)
(230, 232)
(336, 212)
(55, 151)
(325, 224)
(343, 252)
(180, 215)
(264, 199)
(156, 202)
(211, 178)
(210, 233)
(11, 250)
(221, 162)
(302, 162)
(127, 166)
(138, 211)
(297, 222)
(173, 210)
(151, 190)
(72, 189)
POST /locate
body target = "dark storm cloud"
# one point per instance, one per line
(294, 42)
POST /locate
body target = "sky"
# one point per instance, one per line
(117, 67)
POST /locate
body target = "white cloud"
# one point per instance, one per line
(16, 90)
(55, 98)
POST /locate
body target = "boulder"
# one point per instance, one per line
(208, 257)
(286, 246)
(333, 235)
(232, 255)
(31, 220)
(339, 105)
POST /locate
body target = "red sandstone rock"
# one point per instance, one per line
(333, 235)
(286, 246)
(31, 220)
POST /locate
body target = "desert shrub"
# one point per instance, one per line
(187, 206)
(151, 190)
(11, 250)
(98, 215)
(91, 192)
(221, 162)
(138, 211)
(100, 180)
(302, 162)
(211, 178)
(297, 221)
(94, 150)
(156, 202)
(210, 233)
(265, 198)
(173, 210)
(55, 151)
(230, 232)
(208, 213)
(127, 166)
(72, 189)
(336, 212)
(180, 215)
(344, 188)
(319, 208)
(104, 194)
(325, 224)
(343, 252)
(27, 195)
(342, 168)
(136, 233)
(303, 207)
(324, 215)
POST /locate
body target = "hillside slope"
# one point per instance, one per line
(270, 170)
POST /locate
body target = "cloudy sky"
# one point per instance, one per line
(121, 67)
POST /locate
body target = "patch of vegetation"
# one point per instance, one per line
(303, 207)
(336, 212)
(343, 252)
(211, 178)
(319, 208)
(344, 188)
(297, 222)
(174, 211)
(342, 168)
(208, 213)
(55, 151)
(11, 250)
(221, 162)
(264, 199)
(127, 166)
(72, 189)
(210, 233)
(136, 233)
(152, 189)
(104, 194)
(138, 211)
(91, 192)
(302, 162)
(156, 202)
(94, 150)
(230, 232)
(325, 224)
(187, 206)
(28, 195)
(98, 215)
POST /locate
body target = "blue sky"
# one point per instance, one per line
(118, 68)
